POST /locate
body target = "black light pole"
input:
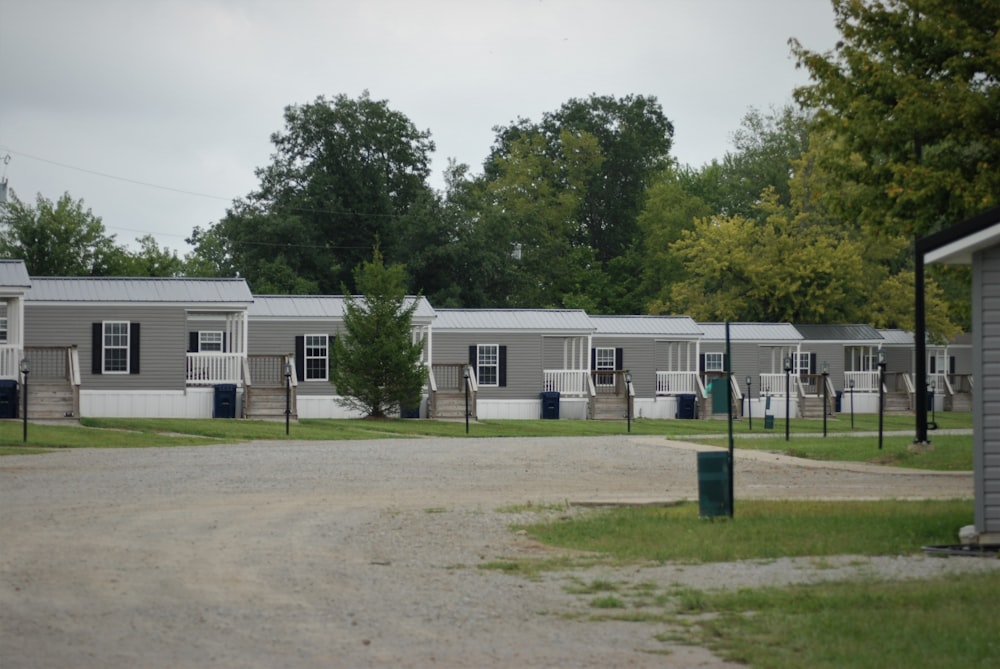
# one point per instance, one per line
(749, 405)
(288, 394)
(850, 385)
(826, 395)
(465, 373)
(788, 373)
(881, 392)
(628, 399)
(24, 372)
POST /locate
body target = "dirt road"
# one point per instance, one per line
(357, 554)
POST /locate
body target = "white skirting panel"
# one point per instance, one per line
(323, 406)
(509, 409)
(655, 408)
(573, 408)
(193, 403)
(777, 409)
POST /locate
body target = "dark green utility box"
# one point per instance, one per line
(769, 422)
(713, 484)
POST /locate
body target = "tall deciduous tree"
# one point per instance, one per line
(344, 172)
(376, 362)
(911, 99)
(59, 238)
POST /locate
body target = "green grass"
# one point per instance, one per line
(760, 530)
(950, 453)
(940, 622)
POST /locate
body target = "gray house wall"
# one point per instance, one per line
(162, 341)
(525, 359)
(986, 399)
(277, 337)
(638, 357)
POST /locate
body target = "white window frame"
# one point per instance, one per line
(604, 361)
(715, 361)
(316, 357)
(800, 363)
(113, 333)
(211, 341)
(488, 360)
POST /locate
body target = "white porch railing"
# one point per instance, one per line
(10, 360)
(864, 382)
(205, 369)
(677, 383)
(567, 381)
(774, 384)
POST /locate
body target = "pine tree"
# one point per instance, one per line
(376, 362)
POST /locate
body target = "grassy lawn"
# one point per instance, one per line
(951, 453)
(940, 622)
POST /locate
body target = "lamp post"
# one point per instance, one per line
(850, 384)
(881, 394)
(465, 373)
(25, 368)
(288, 394)
(749, 405)
(788, 373)
(628, 399)
(826, 395)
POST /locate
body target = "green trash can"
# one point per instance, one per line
(713, 484)
(769, 422)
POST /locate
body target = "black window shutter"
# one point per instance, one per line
(329, 355)
(701, 362)
(812, 363)
(502, 374)
(193, 342)
(133, 345)
(725, 362)
(934, 364)
(97, 347)
(225, 349)
(300, 357)
(473, 358)
(593, 359)
(951, 365)
(619, 359)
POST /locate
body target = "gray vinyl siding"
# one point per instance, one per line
(986, 416)
(638, 357)
(163, 342)
(271, 337)
(524, 360)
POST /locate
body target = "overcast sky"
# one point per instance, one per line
(183, 95)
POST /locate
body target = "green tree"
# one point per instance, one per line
(910, 99)
(344, 172)
(152, 260)
(59, 239)
(376, 362)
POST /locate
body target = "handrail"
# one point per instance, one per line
(431, 382)
(294, 377)
(245, 366)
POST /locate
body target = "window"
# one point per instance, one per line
(604, 359)
(116, 347)
(714, 362)
(317, 357)
(3, 322)
(488, 364)
(801, 364)
(210, 342)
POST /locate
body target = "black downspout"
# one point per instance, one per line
(920, 341)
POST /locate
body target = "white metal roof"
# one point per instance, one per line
(762, 332)
(319, 307)
(647, 326)
(515, 320)
(139, 290)
(897, 337)
(14, 274)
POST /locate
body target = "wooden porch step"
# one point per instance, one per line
(268, 402)
(609, 408)
(449, 406)
(49, 400)
(960, 402)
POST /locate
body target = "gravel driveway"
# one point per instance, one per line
(363, 553)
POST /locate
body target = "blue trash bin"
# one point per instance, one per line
(550, 405)
(8, 398)
(225, 401)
